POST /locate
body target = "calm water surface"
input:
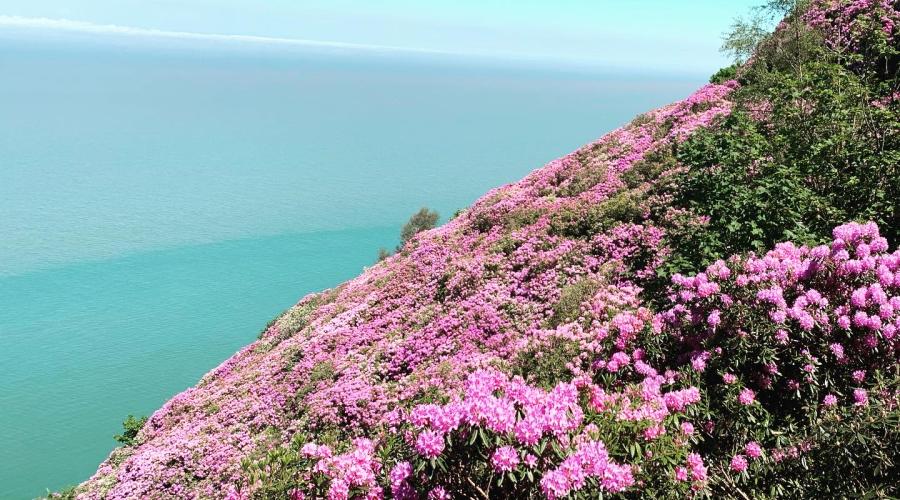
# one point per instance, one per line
(159, 204)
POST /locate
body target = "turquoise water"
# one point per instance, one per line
(159, 204)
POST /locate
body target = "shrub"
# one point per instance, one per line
(131, 426)
(68, 493)
(586, 220)
(420, 221)
(297, 317)
(765, 376)
(546, 364)
(796, 350)
(571, 298)
(814, 141)
(725, 74)
(659, 338)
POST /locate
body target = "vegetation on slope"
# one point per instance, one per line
(623, 321)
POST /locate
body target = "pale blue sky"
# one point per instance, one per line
(647, 34)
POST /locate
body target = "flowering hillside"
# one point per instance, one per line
(627, 319)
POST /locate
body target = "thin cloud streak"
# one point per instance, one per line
(112, 29)
(72, 26)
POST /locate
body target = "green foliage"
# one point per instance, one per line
(725, 74)
(648, 169)
(278, 471)
(383, 253)
(583, 181)
(748, 35)
(67, 493)
(858, 445)
(265, 329)
(296, 318)
(805, 150)
(544, 365)
(322, 371)
(131, 426)
(521, 218)
(505, 245)
(587, 220)
(568, 308)
(743, 38)
(751, 199)
(420, 221)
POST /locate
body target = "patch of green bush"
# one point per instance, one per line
(725, 74)
(568, 307)
(545, 365)
(420, 221)
(587, 220)
(805, 150)
(132, 425)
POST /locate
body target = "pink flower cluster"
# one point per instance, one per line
(739, 462)
(505, 459)
(524, 416)
(833, 307)
(845, 23)
(357, 469)
(504, 406)
(590, 460)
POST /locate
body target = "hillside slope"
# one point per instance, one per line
(544, 342)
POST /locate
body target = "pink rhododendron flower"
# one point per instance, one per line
(430, 444)
(753, 449)
(698, 468)
(746, 396)
(339, 490)
(439, 493)
(505, 458)
(782, 337)
(738, 463)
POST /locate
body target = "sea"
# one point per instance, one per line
(161, 201)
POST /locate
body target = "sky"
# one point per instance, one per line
(646, 34)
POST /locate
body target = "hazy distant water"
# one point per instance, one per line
(159, 206)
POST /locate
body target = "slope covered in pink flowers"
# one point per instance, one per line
(474, 293)
(528, 343)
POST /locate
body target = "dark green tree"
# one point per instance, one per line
(132, 425)
(420, 221)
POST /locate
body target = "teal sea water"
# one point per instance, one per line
(159, 203)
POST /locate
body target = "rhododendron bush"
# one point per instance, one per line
(683, 308)
(757, 346)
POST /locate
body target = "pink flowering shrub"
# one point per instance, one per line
(824, 317)
(508, 439)
(857, 27)
(797, 332)
(768, 354)
(621, 322)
